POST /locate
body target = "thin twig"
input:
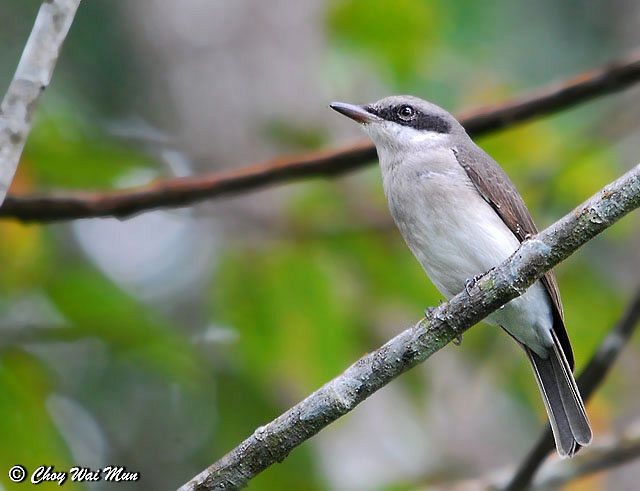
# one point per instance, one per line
(31, 78)
(590, 378)
(606, 453)
(172, 193)
(272, 442)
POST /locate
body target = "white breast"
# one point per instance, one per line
(455, 234)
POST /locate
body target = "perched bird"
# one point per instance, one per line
(461, 215)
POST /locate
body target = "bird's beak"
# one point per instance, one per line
(355, 112)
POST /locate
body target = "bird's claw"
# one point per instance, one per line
(470, 283)
(428, 312)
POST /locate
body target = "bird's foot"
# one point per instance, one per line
(428, 312)
(470, 283)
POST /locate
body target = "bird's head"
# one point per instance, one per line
(402, 122)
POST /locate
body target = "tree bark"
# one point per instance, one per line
(32, 76)
(273, 442)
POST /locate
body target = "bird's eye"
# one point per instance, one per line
(406, 113)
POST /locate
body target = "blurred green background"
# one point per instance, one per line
(160, 342)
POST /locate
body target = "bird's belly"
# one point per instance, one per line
(455, 235)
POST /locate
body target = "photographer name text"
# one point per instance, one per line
(48, 473)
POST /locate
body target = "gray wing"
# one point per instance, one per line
(496, 188)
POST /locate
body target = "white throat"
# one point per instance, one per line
(452, 231)
(402, 144)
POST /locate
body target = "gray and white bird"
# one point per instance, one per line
(461, 215)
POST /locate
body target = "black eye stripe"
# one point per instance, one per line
(419, 121)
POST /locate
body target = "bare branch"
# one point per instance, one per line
(31, 78)
(608, 452)
(590, 378)
(172, 193)
(272, 442)
(604, 455)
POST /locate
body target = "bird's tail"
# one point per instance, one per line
(562, 400)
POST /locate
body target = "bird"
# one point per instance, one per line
(460, 215)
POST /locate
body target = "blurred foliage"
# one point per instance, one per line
(294, 136)
(23, 254)
(273, 312)
(24, 386)
(396, 39)
(65, 151)
(310, 297)
(97, 71)
(93, 306)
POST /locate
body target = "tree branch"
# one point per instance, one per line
(608, 452)
(272, 442)
(590, 378)
(32, 76)
(604, 455)
(172, 193)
